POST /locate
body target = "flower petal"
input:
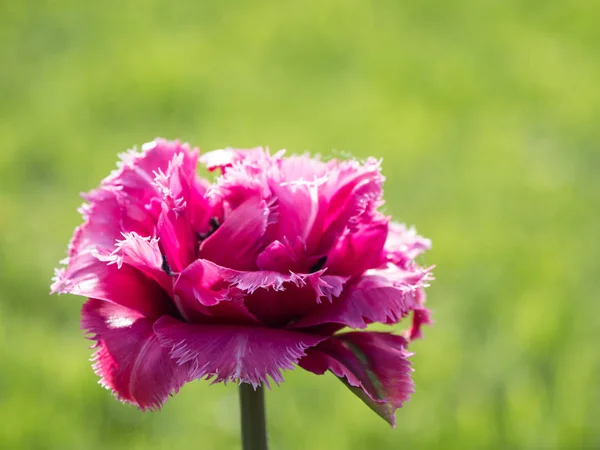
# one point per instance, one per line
(353, 190)
(203, 295)
(237, 243)
(278, 257)
(421, 316)
(136, 172)
(88, 276)
(234, 353)
(107, 215)
(359, 250)
(142, 253)
(130, 360)
(374, 366)
(403, 244)
(381, 295)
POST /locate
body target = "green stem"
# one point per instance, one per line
(252, 414)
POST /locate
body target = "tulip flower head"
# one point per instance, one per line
(281, 262)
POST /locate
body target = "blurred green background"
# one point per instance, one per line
(486, 114)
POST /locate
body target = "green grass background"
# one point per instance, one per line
(487, 116)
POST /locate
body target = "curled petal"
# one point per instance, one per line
(130, 360)
(233, 353)
(239, 240)
(360, 249)
(266, 294)
(381, 295)
(176, 238)
(289, 301)
(136, 172)
(403, 244)
(107, 215)
(374, 366)
(421, 316)
(202, 295)
(142, 253)
(352, 190)
(302, 210)
(89, 276)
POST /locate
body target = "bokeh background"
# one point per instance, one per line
(487, 116)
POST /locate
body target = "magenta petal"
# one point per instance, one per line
(143, 254)
(238, 241)
(403, 244)
(278, 256)
(135, 176)
(374, 366)
(176, 238)
(360, 249)
(384, 296)
(201, 294)
(355, 191)
(107, 215)
(299, 206)
(90, 277)
(234, 353)
(130, 360)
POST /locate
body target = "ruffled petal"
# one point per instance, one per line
(302, 210)
(382, 295)
(359, 250)
(88, 276)
(265, 294)
(421, 316)
(130, 360)
(106, 216)
(403, 244)
(142, 253)
(203, 296)
(237, 243)
(352, 190)
(136, 172)
(234, 353)
(285, 302)
(177, 219)
(374, 366)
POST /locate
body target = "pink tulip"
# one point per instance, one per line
(241, 279)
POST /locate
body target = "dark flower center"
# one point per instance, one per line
(319, 264)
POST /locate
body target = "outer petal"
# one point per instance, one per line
(107, 215)
(89, 276)
(421, 316)
(383, 295)
(130, 359)
(272, 297)
(403, 244)
(203, 296)
(374, 366)
(136, 172)
(234, 353)
(142, 253)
